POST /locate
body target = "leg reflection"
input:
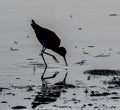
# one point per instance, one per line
(44, 78)
(50, 93)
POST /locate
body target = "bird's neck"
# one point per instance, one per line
(57, 50)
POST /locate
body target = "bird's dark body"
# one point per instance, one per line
(46, 37)
(49, 40)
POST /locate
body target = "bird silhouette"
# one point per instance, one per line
(49, 40)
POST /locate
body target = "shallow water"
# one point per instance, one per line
(21, 80)
(91, 37)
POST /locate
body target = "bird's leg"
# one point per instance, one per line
(51, 56)
(43, 49)
(64, 80)
(42, 77)
(43, 58)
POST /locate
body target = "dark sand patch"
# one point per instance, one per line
(96, 93)
(104, 72)
(91, 46)
(115, 98)
(19, 107)
(9, 93)
(82, 62)
(30, 59)
(4, 102)
(62, 107)
(113, 81)
(113, 14)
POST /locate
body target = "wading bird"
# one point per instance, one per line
(49, 40)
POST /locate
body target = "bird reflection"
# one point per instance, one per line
(50, 92)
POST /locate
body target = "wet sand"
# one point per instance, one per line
(80, 86)
(90, 33)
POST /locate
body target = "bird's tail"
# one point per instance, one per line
(33, 22)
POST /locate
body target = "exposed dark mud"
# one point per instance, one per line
(104, 72)
(18, 107)
(114, 81)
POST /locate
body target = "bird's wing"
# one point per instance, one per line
(46, 37)
(53, 39)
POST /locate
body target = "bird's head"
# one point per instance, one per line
(62, 52)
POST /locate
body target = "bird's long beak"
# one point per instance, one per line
(65, 61)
